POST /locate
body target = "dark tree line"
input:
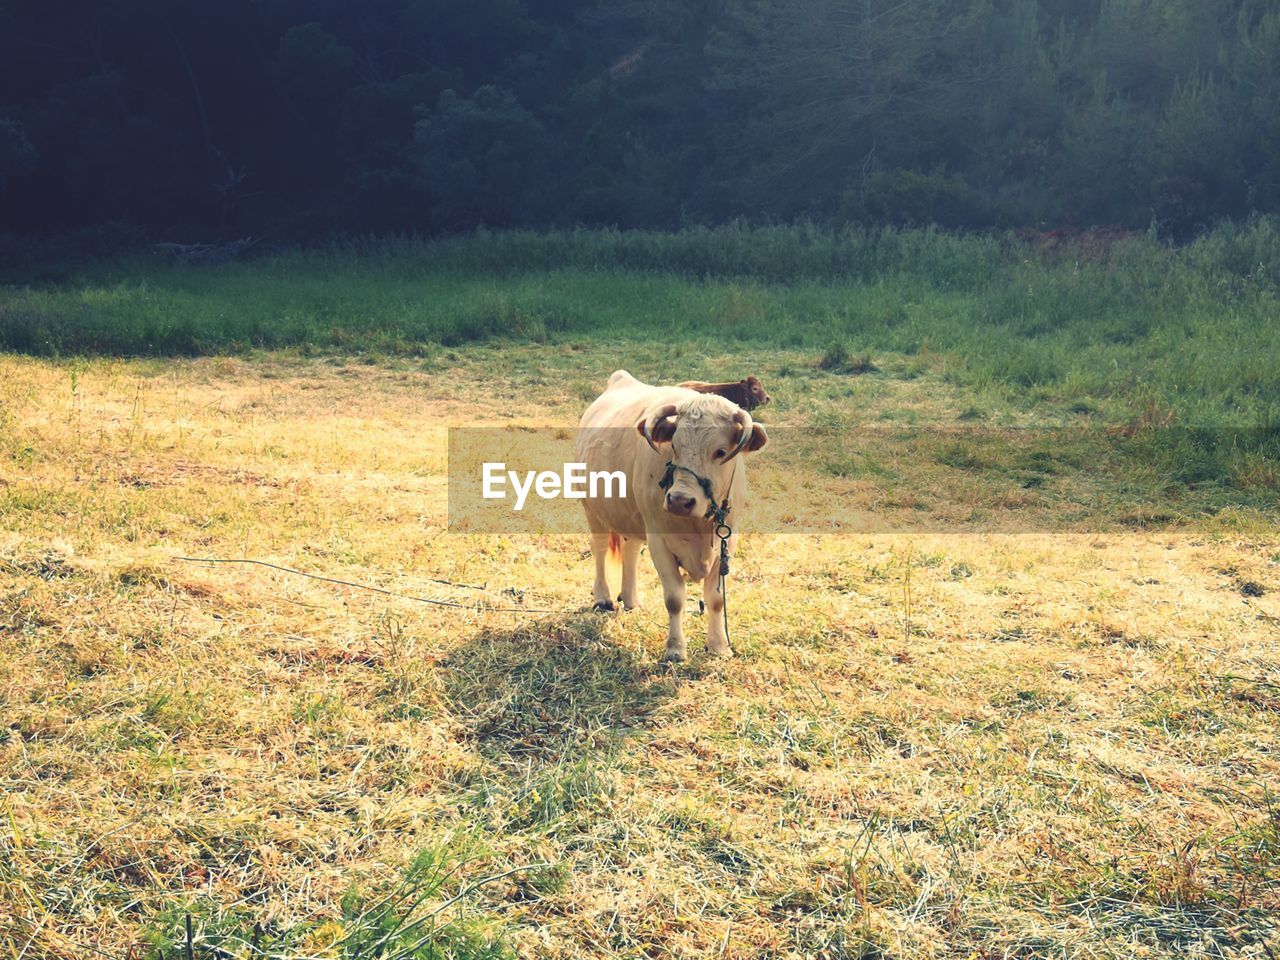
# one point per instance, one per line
(298, 117)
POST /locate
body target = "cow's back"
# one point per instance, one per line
(625, 399)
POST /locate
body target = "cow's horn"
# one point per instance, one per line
(651, 422)
(743, 418)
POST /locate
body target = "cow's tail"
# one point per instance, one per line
(615, 546)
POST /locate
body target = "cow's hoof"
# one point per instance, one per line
(673, 655)
(725, 651)
(602, 606)
(629, 604)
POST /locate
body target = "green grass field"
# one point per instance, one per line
(1124, 324)
(987, 741)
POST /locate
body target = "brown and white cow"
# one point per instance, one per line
(748, 394)
(694, 441)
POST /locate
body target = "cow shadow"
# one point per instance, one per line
(551, 688)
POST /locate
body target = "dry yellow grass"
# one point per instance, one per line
(928, 746)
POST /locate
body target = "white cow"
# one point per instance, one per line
(679, 450)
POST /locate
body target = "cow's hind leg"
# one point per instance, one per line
(630, 596)
(673, 593)
(600, 598)
(713, 598)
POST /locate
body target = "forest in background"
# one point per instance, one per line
(290, 119)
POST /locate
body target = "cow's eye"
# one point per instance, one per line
(718, 455)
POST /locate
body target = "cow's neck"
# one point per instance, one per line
(695, 552)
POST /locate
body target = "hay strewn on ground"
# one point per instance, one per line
(928, 746)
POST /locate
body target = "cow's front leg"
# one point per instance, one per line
(668, 568)
(630, 560)
(600, 590)
(713, 598)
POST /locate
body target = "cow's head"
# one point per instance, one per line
(755, 393)
(701, 436)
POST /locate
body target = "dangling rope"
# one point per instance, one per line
(435, 601)
(724, 532)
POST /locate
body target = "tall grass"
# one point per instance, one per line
(1192, 328)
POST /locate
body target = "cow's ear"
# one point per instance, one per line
(663, 430)
(758, 438)
(659, 425)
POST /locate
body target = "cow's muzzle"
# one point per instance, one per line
(679, 504)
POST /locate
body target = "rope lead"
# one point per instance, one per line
(723, 531)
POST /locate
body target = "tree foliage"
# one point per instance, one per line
(297, 116)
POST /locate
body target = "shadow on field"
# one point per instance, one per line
(550, 688)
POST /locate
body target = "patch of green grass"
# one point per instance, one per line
(962, 456)
(840, 358)
(424, 917)
(1193, 325)
(545, 795)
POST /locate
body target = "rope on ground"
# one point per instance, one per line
(434, 601)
